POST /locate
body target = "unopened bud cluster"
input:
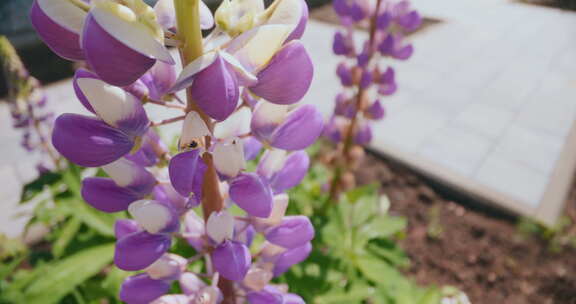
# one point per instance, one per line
(244, 88)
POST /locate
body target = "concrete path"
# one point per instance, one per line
(486, 104)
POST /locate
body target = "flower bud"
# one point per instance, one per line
(375, 111)
(141, 288)
(232, 260)
(252, 193)
(299, 130)
(292, 232)
(345, 75)
(293, 171)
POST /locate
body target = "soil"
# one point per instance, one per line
(478, 250)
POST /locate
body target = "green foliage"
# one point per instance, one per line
(68, 263)
(559, 236)
(355, 258)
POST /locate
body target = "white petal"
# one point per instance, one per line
(220, 226)
(278, 211)
(256, 47)
(165, 13)
(235, 125)
(185, 78)
(122, 171)
(285, 12)
(111, 103)
(123, 24)
(246, 78)
(64, 13)
(229, 157)
(193, 129)
(166, 266)
(206, 18)
(269, 113)
(150, 215)
(272, 161)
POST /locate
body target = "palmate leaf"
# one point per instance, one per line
(56, 280)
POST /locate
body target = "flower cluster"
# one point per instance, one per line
(242, 84)
(27, 105)
(364, 80)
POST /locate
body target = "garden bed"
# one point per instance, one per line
(482, 252)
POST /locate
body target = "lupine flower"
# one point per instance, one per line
(27, 105)
(244, 88)
(361, 74)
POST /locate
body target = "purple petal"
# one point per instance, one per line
(387, 45)
(252, 147)
(339, 46)
(190, 283)
(287, 77)
(152, 146)
(124, 227)
(88, 141)
(268, 295)
(104, 195)
(139, 250)
(59, 39)
(383, 21)
(160, 79)
(301, 26)
(194, 230)
(82, 73)
(215, 90)
(138, 88)
(292, 298)
(232, 260)
(410, 21)
(363, 135)
(252, 193)
(141, 289)
(357, 12)
(112, 60)
(345, 75)
(404, 52)
(187, 172)
(294, 231)
(375, 111)
(300, 129)
(294, 169)
(291, 257)
(167, 194)
(341, 7)
(365, 79)
(154, 216)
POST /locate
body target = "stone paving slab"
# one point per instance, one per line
(486, 104)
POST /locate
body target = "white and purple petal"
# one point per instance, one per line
(292, 232)
(287, 77)
(141, 289)
(300, 129)
(105, 195)
(293, 171)
(154, 216)
(186, 171)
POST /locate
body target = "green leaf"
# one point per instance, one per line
(384, 226)
(355, 194)
(35, 187)
(66, 235)
(376, 270)
(356, 294)
(60, 278)
(101, 222)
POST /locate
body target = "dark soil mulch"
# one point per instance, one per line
(482, 253)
